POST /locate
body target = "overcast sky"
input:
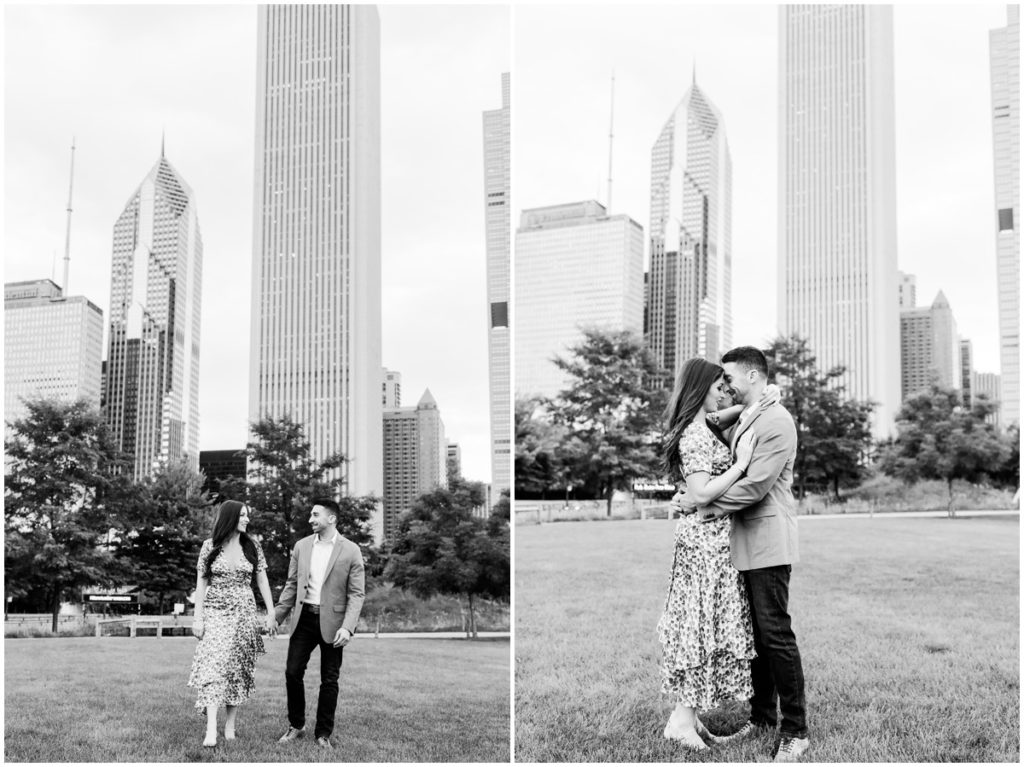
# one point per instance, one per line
(564, 58)
(118, 77)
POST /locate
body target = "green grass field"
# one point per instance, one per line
(908, 630)
(126, 700)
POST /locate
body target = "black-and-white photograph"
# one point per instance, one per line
(766, 378)
(257, 383)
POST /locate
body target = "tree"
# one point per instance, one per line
(537, 465)
(833, 431)
(937, 438)
(283, 481)
(163, 530)
(442, 548)
(61, 460)
(611, 410)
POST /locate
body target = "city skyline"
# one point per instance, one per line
(434, 88)
(941, 58)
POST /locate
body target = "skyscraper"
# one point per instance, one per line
(967, 374)
(576, 266)
(930, 348)
(837, 203)
(152, 380)
(1004, 56)
(498, 222)
(52, 346)
(316, 284)
(690, 284)
(415, 457)
(391, 389)
(907, 291)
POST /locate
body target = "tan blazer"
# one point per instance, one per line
(342, 592)
(763, 510)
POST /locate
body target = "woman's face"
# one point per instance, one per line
(717, 397)
(243, 519)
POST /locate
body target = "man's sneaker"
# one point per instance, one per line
(791, 749)
(323, 742)
(748, 730)
(292, 734)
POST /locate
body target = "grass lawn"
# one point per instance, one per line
(908, 630)
(126, 700)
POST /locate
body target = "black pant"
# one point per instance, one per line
(776, 672)
(305, 637)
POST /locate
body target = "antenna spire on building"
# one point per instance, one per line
(163, 136)
(67, 233)
(611, 135)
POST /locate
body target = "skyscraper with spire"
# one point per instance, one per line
(689, 294)
(316, 276)
(152, 378)
(1004, 57)
(498, 220)
(837, 200)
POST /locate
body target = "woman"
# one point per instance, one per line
(230, 563)
(705, 630)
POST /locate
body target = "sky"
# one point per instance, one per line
(120, 79)
(564, 60)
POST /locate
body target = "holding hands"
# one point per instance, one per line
(271, 625)
(342, 637)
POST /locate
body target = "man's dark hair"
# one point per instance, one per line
(747, 357)
(330, 504)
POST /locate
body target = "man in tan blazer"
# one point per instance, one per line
(764, 546)
(324, 592)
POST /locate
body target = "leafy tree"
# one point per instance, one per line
(283, 480)
(833, 432)
(1008, 473)
(61, 460)
(938, 438)
(163, 530)
(441, 548)
(611, 410)
(537, 464)
(503, 508)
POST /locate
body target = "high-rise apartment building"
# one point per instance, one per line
(906, 291)
(967, 370)
(576, 267)
(1004, 55)
(152, 379)
(988, 384)
(689, 312)
(53, 346)
(498, 225)
(391, 389)
(930, 348)
(837, 202)
(316, 276)
(415, 458)
(454, 461)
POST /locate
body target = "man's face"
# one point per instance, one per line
(738, 381)
(320, 519)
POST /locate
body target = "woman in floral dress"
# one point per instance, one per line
(230, 563)
(705, 630)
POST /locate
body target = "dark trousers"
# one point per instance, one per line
(303, 640)
(776, 672)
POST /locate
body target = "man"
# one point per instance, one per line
(764, 546)
(326, 573)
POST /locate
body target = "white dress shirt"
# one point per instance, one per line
(318, 567)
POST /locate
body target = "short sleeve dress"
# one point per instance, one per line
(705, 630)
(225, 658)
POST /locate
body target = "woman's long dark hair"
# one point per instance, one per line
(227, 522)
(692, 385)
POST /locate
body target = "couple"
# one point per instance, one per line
(726, 630)
(325, 572)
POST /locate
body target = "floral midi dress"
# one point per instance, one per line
(225, 658)
(705, 630)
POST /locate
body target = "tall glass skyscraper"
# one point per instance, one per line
(498, 220)
(837, 198)
(316, 277)
(689, 304)
(152, 380)
(1004, 55)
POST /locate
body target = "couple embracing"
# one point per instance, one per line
(725, 630)
(324, 592)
